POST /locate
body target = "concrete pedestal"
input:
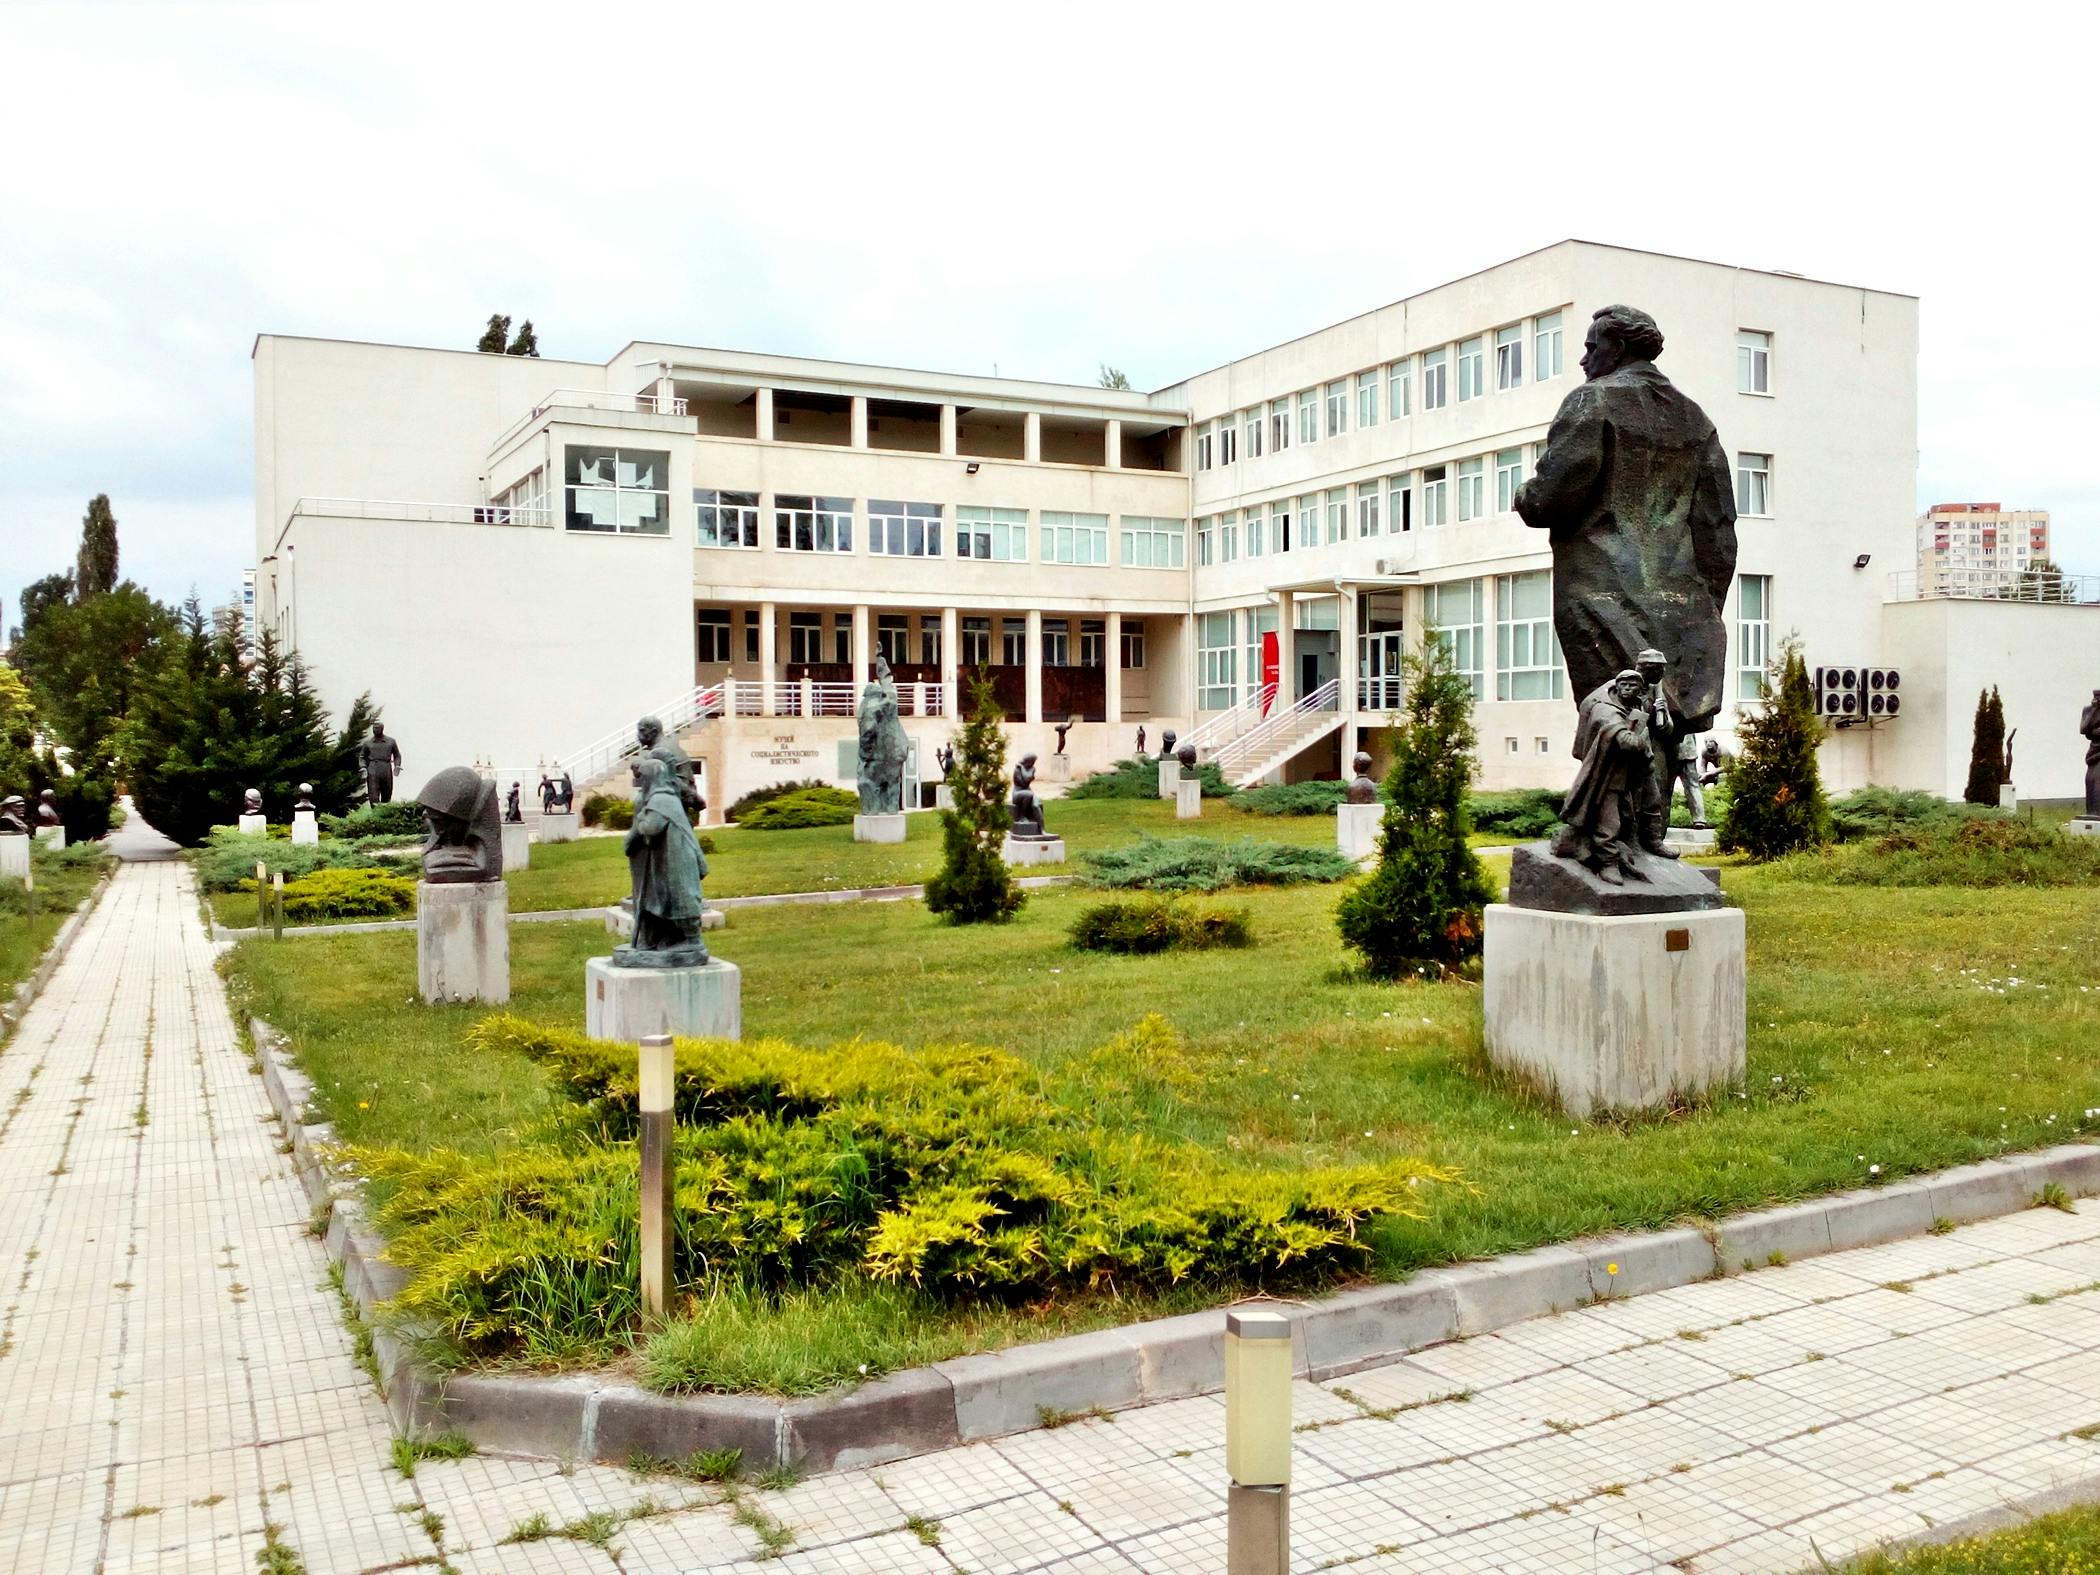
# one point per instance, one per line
(626, 1004)
(619, 920)
(2083, 826)
(943, 796)
(878, 828)
(1033, 850)
(1188, 799)
(463, 941)
(306, 826)
(1169, 777)
(2008, 796)
(51, 836)
(14, 858)
(517, 846)
(1058, 768)
(1356, 830)
(1615, 1013)
(255, 825)
(1689, 839)
(560, 827)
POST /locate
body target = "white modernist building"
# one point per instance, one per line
(518, 557)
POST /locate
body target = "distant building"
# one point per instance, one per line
(1978, 549)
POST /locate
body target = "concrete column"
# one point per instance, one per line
(768, 654)
(666, 391)
(857, 422)
(863, 632)
(1487, 636)
(765, 415)
(951, 659)
(1034, 709)
(1114, 445)
(947, 429)
(1286, 652)
(1032, 438)
(1113, 659)
(1192, 666)
(1350, 697)
(1242, 637)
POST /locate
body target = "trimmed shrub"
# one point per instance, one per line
(1775, 792)
(1987, 764)
(346, 894)
(227, 860)
(1519, 812)
(1138, 777)
(398, 819)
(1207, 864)
(1292, 798)
(613, 811)
(766, 795)
(973, 884)
(1873, 812)
(1972, 850)
(812, 806)
(1155, 924)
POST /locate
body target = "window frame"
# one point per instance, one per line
(1509, 476)
(1753, 637)
(1436, 379)
(1369, 495)
(994, 525)
(1397, 379)
(1466, 641)
(821, 512)
(1367, 399)
(1753, 478)
(1472, 368)
(1059, 533)
(1472, 489)
(1337, 409)
(1308, 415)
(1753, 362)
(1531, 635)
(714, 621)
(614, 491)
(884, 513)
(1509, 357)
(1154, 528)
(1546, 334)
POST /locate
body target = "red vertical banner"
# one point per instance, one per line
(1271, 669)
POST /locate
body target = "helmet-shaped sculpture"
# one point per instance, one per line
(463, 838)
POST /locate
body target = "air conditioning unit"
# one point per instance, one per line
(1838, 695)
(1880, 686)
(1858, 694)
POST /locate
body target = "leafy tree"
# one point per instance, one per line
(53, 590)
(2043, 581)
(1112, 377)
(974, 885)
(96, 572)
(1775, 791)
(526, 343)
(1987, 750)
(18, 743)
(205, 725)
(1419, 912)
(82, 660)
(496, 336)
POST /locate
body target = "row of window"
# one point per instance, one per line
(810, 642)
(918, 530)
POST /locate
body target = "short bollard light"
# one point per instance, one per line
(657, 1231)
(277, 906)
(262, 896)
(1258, 1442)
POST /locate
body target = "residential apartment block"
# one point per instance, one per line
(1978, 549)
(517, 557)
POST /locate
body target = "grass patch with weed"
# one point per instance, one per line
(2062, 1544)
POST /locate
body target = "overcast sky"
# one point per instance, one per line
(1039, 188)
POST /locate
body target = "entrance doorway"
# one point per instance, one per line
(1384, 688)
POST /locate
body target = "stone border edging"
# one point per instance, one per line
(968, 1398)
(29, 989)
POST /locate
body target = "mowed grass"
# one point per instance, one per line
(2067, 1543)
(1898, 1029)
(61, 883)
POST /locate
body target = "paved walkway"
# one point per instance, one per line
(175, 1380)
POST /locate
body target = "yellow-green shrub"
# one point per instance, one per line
(345, 894)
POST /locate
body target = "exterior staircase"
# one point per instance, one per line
(1255, 751)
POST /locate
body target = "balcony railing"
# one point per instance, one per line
(2048, 586)
(1381, 694)
(594, 399)
(536, 515)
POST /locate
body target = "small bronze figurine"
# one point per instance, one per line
(564, 795)
(944, 756)
(546, 792)
(512, 815)
(1027, 808)
(1141, 741)
(1062, 729)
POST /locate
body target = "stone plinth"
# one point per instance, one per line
(51, 836)
(559, 827)
(14, 857)
(2008, 796)
(1188, 799)
(1169, 777)
(1618, 1013)
(1356, 830)
(1539, 878)
(1033, 850)
(255, 825)
(1058, 768)
(517, 846)
(463, 941)
(878, 828)
(1690, 839)
(619, 920)
(943, 796)
(626, 1004)
(306, 826)
(2083, 825)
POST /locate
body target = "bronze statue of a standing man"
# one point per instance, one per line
(381, 758)
(1637, 496)
(2089, 725)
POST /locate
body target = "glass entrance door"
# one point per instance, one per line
(1383, 688)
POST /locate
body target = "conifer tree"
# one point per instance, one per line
(96, 572)
(1987, 750)
(974, 885)
(1419, 911)
(1775, 802)
(526, 342)
(496, 337)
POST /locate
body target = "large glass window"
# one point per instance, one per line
(1399, 496)
(1338, 514)
(904, 530)
(976, 642)
(1527, 652)
(1074, 538)
(893, 637)
(1308, 415)
(1472, 489)
(1228, 536)
(1000, 535)
(1279, 425)
(1367, 495)
(1254, 433)
(1753, 633)
(806, 637)
(1309, 520)
(1057, 642)
(1366, 399)
(1093, 642)
(1337, 409)
(1471, 369)
(1203, 447)
(1435, 368)
(725, 519)
(1455, 609)
(930, 641)
(1753, 483)
(1509, 475)
(1753, 362)
(711, 634)
(1257, 539)
(1396, 381)
(618, 489)
(808, 524)
(1217, 665)
(1013, 642)
(1228, 439)
(1134, 643)
(1436, 505)
(1153, 543)
(1509, 356)
(1545, 347)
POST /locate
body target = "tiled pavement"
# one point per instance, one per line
(175, 1379)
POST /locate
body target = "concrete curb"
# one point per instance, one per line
(29, 989)
(1001, 1392)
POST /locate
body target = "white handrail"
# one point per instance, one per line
(1230, 724)
(1246, 745)
(593, 399)
(427, 513)
(601, 755)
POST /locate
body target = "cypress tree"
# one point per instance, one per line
(974, 885)
(496, 337)
(1419, 912)
(96, 571)
(1775, 791)
(526, 343)
(1987, 750)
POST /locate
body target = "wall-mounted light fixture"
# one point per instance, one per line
(1862, 560)
(970, 469)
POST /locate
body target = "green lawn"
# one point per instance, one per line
(62, 880)
(2062, 1544)
(1905, 1029)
